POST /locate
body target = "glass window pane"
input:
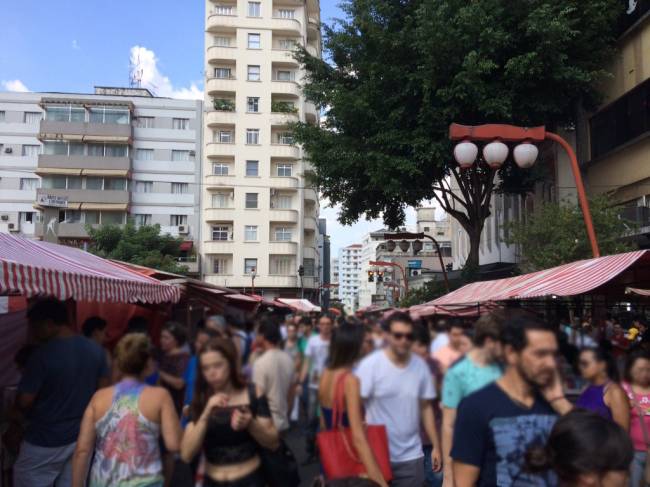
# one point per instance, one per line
(250, 265)
(114, 184)
(144, 154)
(180, 155)
(94, 183)
(92, 217)
(58, 182)
(115, 150)
(252, 168)
(120, 117)
(55, 148)
(96, 150)
(251, 200)
(112, 218)
(74, 182)
(96, 115)
(77, 114)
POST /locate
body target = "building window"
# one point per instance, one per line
(225, 137)
(310, 267)
(31, 150)
(180, 188)
(285, 75)
(65, 113)
(285, 170)
(112, 218)
(221, 200)
(220, 169)
(252, 168)
(181, 156)
(26, 216)
(288, 44)
(223, 73)
(32, 117)
(251, 200)
(250, 233)
(144, 122)
(224, 10)
(287, 13)
(427, 229)
(220, 41)
(144, 154)
(28, 184)
(2, 115)
(283, 202)
(94, 183)
(115, 184)
(254, 9)
(254, 41)
(144, 186)
(177, 220)
(282, 266)
(220, 233)
(181, 123)
(250, 265)
(109, 115)
(219, 265)
(253, 73)
(253, 104)
(282, 234)
(141, 219)
(252, 136)
(107, 150)
(285, 138)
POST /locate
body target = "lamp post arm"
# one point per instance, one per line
(442, 264)
(582, 196)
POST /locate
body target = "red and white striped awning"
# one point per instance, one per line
(34, 268)
(300, 305)
(571, 279)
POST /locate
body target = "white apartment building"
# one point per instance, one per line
(349, 275)
(334, 290)
(259, 217)
(104, 157)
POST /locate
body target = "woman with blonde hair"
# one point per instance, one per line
(123, 424)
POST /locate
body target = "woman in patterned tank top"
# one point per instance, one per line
(122, 425)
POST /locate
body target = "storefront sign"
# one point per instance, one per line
(52, 201)
(414, 264)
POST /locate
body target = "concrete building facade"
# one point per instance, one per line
(259, 216)
(349, 275)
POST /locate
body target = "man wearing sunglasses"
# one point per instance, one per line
(397, 390)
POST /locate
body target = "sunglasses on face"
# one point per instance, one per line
(402, 336)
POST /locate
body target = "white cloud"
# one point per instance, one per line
(14, 85)
(154, 80)
(75, 45)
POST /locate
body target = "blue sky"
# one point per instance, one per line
(73, 45)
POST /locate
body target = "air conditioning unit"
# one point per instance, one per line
(8, 150)
(4, 218)
(183, 229)
(416, 272)
(13, 227)
(192, 153)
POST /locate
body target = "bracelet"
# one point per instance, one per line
(556, 399)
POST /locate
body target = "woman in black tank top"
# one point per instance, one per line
(231, 421)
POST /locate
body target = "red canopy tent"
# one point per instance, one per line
(609, 275)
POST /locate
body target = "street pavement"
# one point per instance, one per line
(296, 441)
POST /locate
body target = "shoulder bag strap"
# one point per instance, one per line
(639, 411)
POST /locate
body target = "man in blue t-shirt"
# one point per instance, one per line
(60, 378)
(496, 425)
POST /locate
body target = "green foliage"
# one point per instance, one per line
(223, 105)
(398, 73)
(556, 234)
(283, 107)
(430, 291)
(143, 245)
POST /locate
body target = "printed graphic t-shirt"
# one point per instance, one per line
(493, 433)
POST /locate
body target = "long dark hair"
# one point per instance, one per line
(601, 355)
(582, 442)
(202, 391)
(345, 347)
(632, 357)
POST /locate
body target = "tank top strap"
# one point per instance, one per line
(127, 393)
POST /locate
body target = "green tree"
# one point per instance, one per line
(556, 234)
(397, 73)
(143, 245)
(430, 291)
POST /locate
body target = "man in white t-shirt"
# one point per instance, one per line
(439, 337)
(397, 390)
(316, 354)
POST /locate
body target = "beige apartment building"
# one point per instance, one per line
(259, 217)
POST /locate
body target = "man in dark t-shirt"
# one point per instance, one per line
(496, 425)
(60, 378)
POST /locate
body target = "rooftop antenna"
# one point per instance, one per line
(135, 73)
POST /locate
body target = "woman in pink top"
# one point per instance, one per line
(637, 387)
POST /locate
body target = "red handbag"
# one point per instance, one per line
(337, 453)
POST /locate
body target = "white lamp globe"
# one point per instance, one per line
(525, 155)
(495, 154)
(465, 154)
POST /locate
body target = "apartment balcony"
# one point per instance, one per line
(87, 165)
(90, 199)
(284, 151)
(165, 199)
(218, 22)
(313, 51)
(283, 215)
(88, 132)
(310, 195)
(311, 113)
(214, 149)
(277, 281)
(213, 181)
(219, 214)
(218, 247)
(313, 29)
(282, 119)
(639, 216)
(283, 248)
(284, 56)
(310, 225)
(220, 86)
(286, 88)
(284, 182)
(191, 263)
(216, 118)
(287, 26)
(219, 54)
(309, 253)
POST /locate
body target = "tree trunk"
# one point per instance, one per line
(472, 262)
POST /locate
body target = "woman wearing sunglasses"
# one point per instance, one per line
(603, 395)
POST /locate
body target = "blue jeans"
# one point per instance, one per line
(431, 478)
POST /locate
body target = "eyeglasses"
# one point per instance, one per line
(402, 336)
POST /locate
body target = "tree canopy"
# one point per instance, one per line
(556, 234)
(143, 245)
(396, 73)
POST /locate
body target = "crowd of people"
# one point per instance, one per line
(461, 404)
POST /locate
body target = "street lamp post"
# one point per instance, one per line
(253, 276)
(525, 154)
(393, 264)
(417, 236)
